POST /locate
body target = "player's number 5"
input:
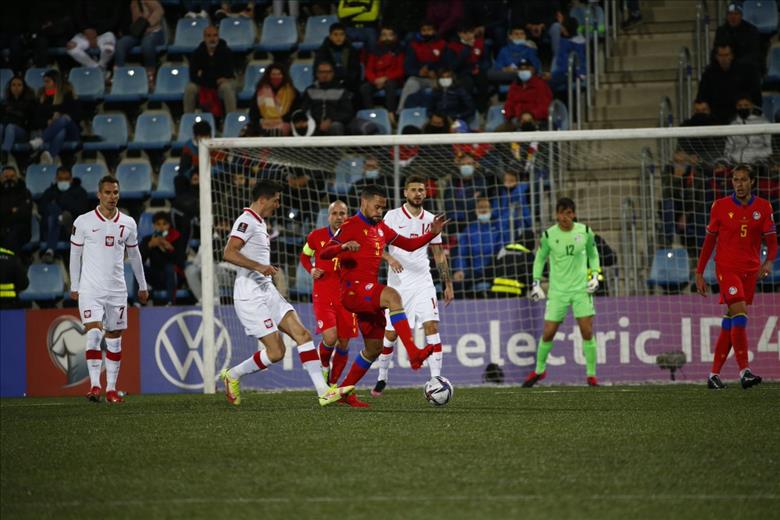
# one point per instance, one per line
(743, 230)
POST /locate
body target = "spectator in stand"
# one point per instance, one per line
(146, 30)
(15, 210)
(749, 149)
(59, 206)
(438, 123)
(723, 81)
(743, 37)
(470, 64)
(165, 252)
(275, 101)
(186, 202)
(490, 19)
(463, 190)
(538, 18)
(707, 148)
(337, 50)
(360, 18)
(404, 16)
(211, 76)
(57, 115)
(303, 189)
(97, 23)
(384, 71)
(684, 202)
(518, 49)
(570, 42)
(425, 55)
(447, 15)
(528, 93)
(13, 277)
(372, 176)
(511, 200)
(17, 112)
(450, 97)
(52, 23)
(329, 103)
(188, 162)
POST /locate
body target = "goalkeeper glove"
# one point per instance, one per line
(593, 284)
(537, 293)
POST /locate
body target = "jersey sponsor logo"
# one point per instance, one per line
(66, 342)
(269, 323)
(109, 241)
(242, 227)
(756, 215)
(369, 286)
(732, 290)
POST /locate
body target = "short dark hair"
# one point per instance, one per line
(201, 128)
(265, 188)
(161, 215)
(337, 26)
(325, 62)
(565, 203)
(517, 27)
(412, 179)
(64, 169)
(105, 179)
(744, 167)
(429, 23)
(411, 129)
(372, 190)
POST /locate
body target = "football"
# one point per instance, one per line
(438, 391)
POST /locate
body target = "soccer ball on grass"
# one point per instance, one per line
(438, 391)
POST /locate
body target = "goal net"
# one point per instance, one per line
(646, 193)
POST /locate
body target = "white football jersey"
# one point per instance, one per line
(103, 254)
(251, 229)
(416, 264)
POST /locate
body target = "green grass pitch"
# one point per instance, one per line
(624, 452)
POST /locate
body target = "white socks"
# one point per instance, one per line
(435, 359)
(257, 362)
(311, 363)
(113, 360)
(384, 358)
(94, 356)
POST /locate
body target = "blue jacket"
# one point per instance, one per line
(513, 53)
(460, 197)
(478, 246)
(522, 212)
(561, 62)
(454, 102)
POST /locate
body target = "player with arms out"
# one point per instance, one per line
(410, 275)
(360, 244)
(571, 249)
(97, 281)
(738, 225)
(262, 310)
(336, 324)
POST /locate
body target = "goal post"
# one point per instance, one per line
(628, 184)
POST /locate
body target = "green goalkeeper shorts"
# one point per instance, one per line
(558, 306)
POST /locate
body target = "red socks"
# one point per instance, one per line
(339, 362)
(359, 368)
(723, 346)
(325, 353)
(739, 340)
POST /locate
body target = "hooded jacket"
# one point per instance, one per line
(345, 60)
(73, 200)
(433, 53)
(749, 148)
(328, 101)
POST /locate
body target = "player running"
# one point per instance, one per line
(410, 275)
(336, 324)
(260, 307)
(738, 224)
(359, 244)
(97, 281)
(571, 249)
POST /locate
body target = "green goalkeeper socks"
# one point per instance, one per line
(541, 355)
(589, 348)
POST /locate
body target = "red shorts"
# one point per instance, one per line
(736, 286)
(331, 314)
(363, 298)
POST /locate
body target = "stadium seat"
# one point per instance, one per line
(773, 65)
(317, 29)
(495, 117)
(153, 131)
(302, 75)
(189, 34)
(88, 83)
(39, 177)
(135, 178)
(238, 33)
(112, 130)
(770, 104)
(185, 127)
(254, 71)
(762, 14)
(170, 83)
(670, 270)
(347, 171)
(412, 117)
(379, 117)
(46, 283)
(709, 272)
(35, 236)
(34, 77)
(280, 33)
(165, 189)
(130, 85)
(145, 225)
(89, 174)
(560, 115)
(5, 77)
(234, 123)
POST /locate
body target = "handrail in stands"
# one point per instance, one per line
(629, 253)
(702, 42)
(573, 81)
(684, 84)
(647, 198)
(665, 120)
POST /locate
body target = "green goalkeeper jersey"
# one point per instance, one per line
(571, 253)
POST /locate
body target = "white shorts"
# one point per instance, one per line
(108, 309)
(259, 307)
(420, 306)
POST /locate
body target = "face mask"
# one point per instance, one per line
(483, 217)
(524, 75)
(467, 170)
(426, 38)
(445, 82)
(430, 129)
(164, 233)
(518, 41)
(528, 127)
(276, 82)
(372, 174)
(8, 184)
(63, 185)
(744, 113)
(50, 92)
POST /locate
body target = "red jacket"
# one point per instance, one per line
(434, 54)
(468, 59)
(534, 96)
(384, 61)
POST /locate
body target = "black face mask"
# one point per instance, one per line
(701, 118)
(426, 38)
(430, 129)
(7, 185)
(744, 113)
(528, 127)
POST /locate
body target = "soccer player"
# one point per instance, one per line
(738, 224)
(262, 310)
(336, 324)
(410, 275)
(572, 249)
(359, 244)
(97, 281)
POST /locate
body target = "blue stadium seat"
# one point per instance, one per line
(773, 65)
(770, 104)
(189, 34)
(145, 225)
(34, 77)
(5, 77)
(412, 117)
(234, 123)
(130, 85)
(35, 236)
(88, 83)
(168, 171)
(762, 14)
(495, 117)
(302, 75)
(254, 71)
(112, 129)
(379, 117)
(185, 127)
(279, 33)
(560, 115)
(135, 178)
(39, 177)
(46, 283)
(317, 29)
(90, 174)
(670, 269)
(238, 33)
(170, 83)
(347, 171)
(709, 272)
(153, 131)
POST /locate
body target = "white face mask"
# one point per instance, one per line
(63, 185)
(372, 174)
(518, 41)
(524, 75)
(483, 217)
(445, 82)
(467, 170)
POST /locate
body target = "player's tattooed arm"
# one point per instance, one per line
(443, 267)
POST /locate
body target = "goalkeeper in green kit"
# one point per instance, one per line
(572, 249)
